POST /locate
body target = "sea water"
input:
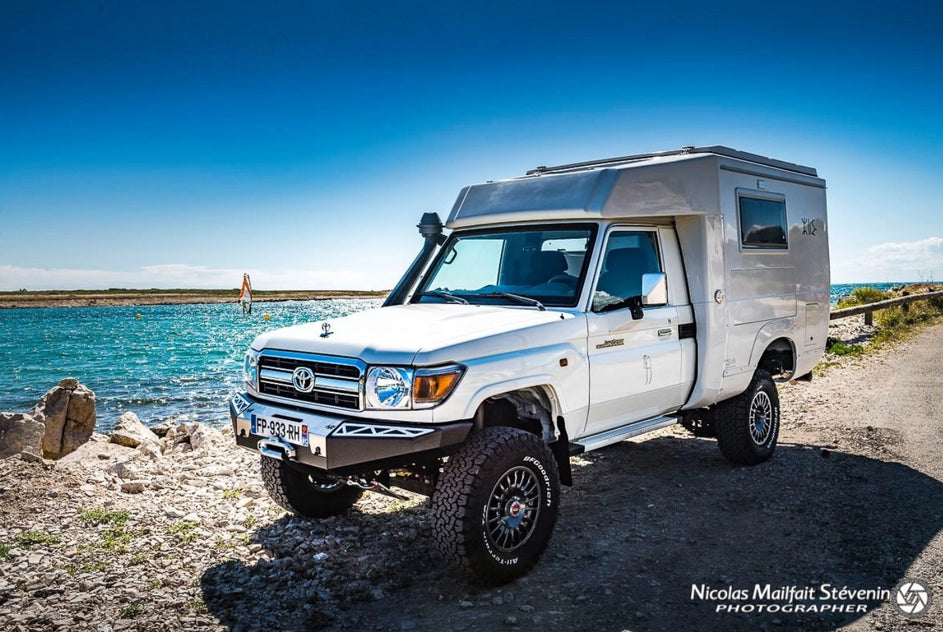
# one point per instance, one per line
(164, 362)
(843, 290)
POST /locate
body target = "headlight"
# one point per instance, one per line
(389, 387)
(250, 369)
(431, 386)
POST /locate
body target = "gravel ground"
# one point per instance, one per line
(185, 538)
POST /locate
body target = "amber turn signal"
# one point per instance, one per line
(434, 386)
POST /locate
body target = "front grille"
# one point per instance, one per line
(332, 369)
(337, 380)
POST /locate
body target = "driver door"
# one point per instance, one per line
(635, 365)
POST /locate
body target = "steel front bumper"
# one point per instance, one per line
(341, 444)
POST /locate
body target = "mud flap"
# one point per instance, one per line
(561, 453)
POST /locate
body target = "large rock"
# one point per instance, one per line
(80, 420)
(20, 432)
(52, 410)
(130, 432)
(67, 414)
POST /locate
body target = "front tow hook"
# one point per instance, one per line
(277, 448)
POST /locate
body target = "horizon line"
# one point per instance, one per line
(235, 290)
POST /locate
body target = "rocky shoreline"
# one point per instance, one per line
(138, 529)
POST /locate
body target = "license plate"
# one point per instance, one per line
(292, 431)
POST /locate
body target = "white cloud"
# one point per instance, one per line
(920, 260)
(181, 275)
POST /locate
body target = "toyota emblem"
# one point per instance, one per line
(302, 379)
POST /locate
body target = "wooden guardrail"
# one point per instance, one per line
(868, 309)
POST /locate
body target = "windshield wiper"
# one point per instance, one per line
(446, 296)
(523, 300)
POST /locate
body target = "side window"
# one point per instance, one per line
(762, 223)
(629, 255)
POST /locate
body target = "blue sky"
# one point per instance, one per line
(178, 144)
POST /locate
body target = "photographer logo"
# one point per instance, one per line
(912, 598)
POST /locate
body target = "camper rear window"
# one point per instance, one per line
(762, 223)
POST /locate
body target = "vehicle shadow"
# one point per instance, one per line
(644, 528)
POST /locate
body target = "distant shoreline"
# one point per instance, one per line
(130, 297)
(123, 297)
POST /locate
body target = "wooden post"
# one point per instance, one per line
(869, 317)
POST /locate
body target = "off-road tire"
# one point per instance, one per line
(496, 504)
(304, 494)
(747, 425)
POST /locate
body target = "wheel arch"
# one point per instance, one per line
(531, 408)
(774, 349)
(779, 359)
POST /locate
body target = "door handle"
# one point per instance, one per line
(664, 332)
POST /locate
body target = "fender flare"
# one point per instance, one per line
(541, 381)
(782, 329)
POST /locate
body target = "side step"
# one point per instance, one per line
(634, 429)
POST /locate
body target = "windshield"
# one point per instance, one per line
(545, 264)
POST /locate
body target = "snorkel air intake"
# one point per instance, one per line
(430, 227)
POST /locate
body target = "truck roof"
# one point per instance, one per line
(719, 150)
(659, 184)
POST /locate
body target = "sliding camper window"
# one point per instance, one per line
(762, 222)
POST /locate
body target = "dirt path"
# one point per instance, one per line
(900, 391)
(853, 497)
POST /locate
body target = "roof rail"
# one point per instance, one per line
(718, 150)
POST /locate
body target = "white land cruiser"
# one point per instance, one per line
(568, 309)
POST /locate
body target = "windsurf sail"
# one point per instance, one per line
(245, 295)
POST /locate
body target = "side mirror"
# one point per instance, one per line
(654, 288)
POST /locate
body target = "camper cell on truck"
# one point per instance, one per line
(552, 314)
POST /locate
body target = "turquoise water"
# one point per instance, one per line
(842, 290)
(174, 362)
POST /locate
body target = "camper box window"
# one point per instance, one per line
(762, 222)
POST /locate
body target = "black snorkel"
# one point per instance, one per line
(430, 227)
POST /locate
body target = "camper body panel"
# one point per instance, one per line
(702, 242)
(773, 292)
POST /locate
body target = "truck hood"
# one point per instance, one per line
(396, 334)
